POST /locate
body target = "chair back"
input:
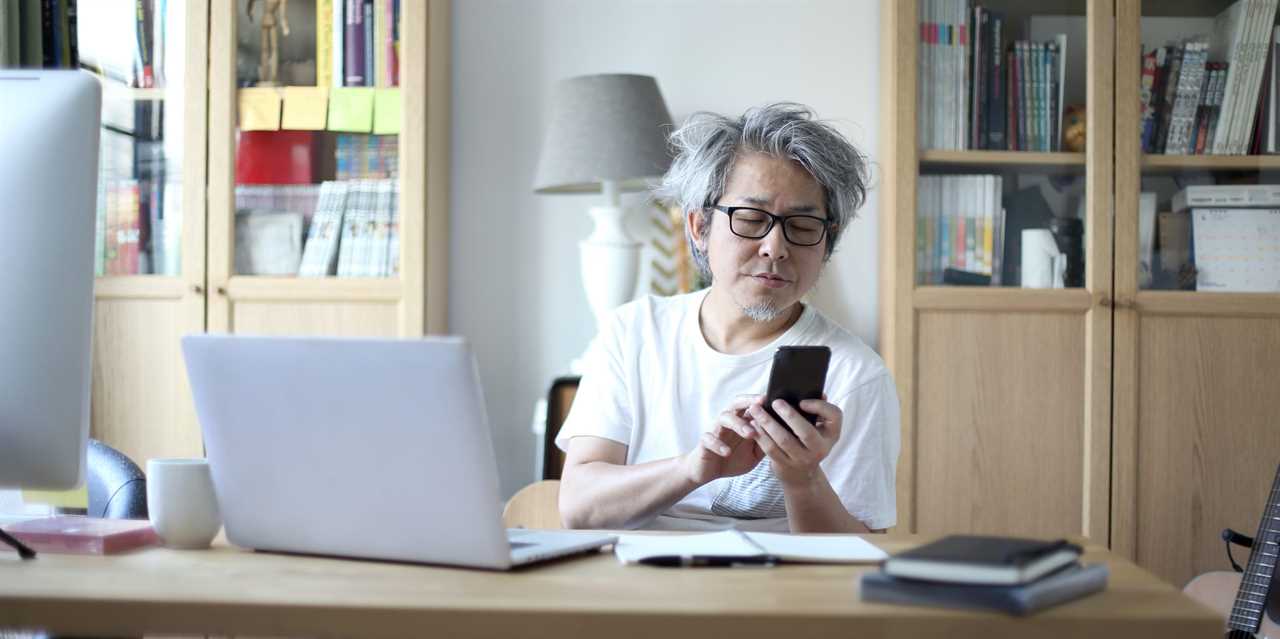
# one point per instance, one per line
(535, 506)
(117, 487)
(559, 400)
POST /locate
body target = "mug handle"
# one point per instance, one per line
(1059, 270)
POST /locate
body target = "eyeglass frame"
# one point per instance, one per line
(773, 221)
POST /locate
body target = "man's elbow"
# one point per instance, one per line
(574, 512)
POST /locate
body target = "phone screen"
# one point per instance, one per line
(798, 373)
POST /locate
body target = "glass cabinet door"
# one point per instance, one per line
(151, 57)
(997, 322)
(317, 158)
(1001, 127)
(138, 50)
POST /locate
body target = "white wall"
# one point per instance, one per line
(514, 287)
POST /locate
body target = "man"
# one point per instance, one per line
(667, 429)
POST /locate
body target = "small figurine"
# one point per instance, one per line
(1073, 129)
(269, 64)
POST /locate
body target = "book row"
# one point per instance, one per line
(1214, 94)
(363, 44)
(134, 236)
(977, 92)
(355, 231)
(959, 226)
(306, 157)
(39, 34)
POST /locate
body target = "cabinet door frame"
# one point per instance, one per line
(902, 302)
(163, 424)
(420, 293)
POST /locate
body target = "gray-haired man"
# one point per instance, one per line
(667, 428)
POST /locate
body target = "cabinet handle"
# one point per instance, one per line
(197, 289)
(1104, 301)
(222, 291)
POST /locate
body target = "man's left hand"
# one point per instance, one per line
(796, 454)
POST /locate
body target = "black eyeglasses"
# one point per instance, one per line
(753, 224)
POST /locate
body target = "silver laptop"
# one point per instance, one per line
(364, 448)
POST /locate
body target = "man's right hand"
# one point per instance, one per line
(726, 450)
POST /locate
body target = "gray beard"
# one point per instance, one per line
(761, 312)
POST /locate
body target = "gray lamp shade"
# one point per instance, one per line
(604, 127)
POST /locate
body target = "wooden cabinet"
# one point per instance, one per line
(1195, 431)
(1006, 399)
(407, 304)
(1138, 418)
(145, 300)
(141, 401)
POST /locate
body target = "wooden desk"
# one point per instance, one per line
(233, 592)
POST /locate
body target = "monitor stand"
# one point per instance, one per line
(23, 551)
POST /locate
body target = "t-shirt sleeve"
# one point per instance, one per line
(601, 407)
(862, 467)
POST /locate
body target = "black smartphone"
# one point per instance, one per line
(798, 373)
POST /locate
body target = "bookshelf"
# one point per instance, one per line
(408, 302)
(141, 400)
(1194, 436)
(1136, 417)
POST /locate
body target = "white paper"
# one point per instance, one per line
(819, 548)
(1236, 250)
(728, 543)
(732, 543)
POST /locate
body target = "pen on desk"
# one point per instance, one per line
(676, 561)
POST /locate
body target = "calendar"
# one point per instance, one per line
(1236, 250)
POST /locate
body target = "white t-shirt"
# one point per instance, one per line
(653, 383)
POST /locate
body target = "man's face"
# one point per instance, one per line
(765, 276)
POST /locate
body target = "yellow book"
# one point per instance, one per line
(305, 108)
(324, 43)
(381, 20)
(386, 111)
(351, 109)
(259, 109)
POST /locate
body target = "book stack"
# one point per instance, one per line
(355, 231)
(368, 157)
(977, 92)
(83, 535)
(1007, 574)
(363, 44)
(960, 228)
(1214, 95)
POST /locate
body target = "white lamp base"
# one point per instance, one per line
(610, 261)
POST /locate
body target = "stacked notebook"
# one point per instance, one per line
(1017, 576)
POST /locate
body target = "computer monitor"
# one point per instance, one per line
(48, 190)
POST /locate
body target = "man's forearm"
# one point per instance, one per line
(602, 495)
(814, 507)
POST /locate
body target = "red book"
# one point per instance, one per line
(275, 157)
(83, 535)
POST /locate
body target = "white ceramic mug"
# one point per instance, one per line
(181, 502)
(1043, 265)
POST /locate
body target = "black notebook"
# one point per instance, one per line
(1064, 585)
(977, 559)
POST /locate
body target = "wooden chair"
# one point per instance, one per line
(559, 400)
(534, 506)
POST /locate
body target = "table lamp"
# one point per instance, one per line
(607, 135)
